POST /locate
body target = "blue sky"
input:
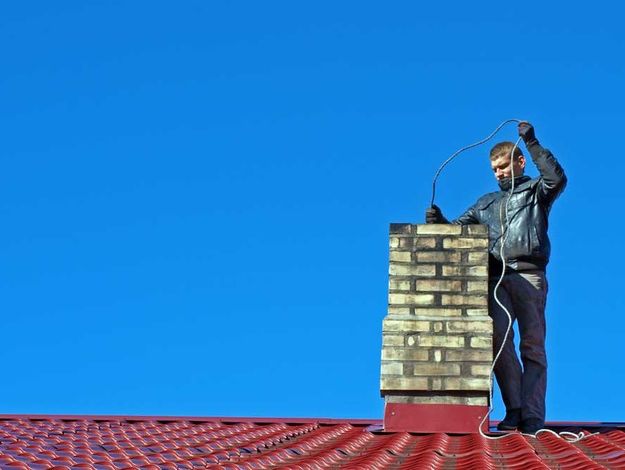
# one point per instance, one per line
(196, 195)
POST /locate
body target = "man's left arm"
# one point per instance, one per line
(553, 180)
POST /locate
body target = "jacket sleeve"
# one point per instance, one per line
(553, 180)
(468, 218)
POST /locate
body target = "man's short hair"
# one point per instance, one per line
(503, 149)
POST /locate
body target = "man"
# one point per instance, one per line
(523, 290)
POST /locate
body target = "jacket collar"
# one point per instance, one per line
(506, 183)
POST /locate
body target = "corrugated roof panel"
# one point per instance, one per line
(40, 442)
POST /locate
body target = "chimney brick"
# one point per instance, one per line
(437, 335)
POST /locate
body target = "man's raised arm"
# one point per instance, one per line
(553, 179)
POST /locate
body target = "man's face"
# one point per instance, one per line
(502, 169)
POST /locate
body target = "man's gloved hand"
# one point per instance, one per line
(433, 215)
(526, 131)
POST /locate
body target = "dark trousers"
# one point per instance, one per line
(524, 294)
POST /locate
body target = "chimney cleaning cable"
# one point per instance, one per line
(568, 436)
(458, 152)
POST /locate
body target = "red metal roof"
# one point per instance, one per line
(117, 442)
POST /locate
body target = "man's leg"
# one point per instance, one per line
(529, 294)
(507, 369)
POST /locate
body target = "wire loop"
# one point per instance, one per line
(466, 148)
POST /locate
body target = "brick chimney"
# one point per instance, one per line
(437, 336)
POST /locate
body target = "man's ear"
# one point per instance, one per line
(522, 161)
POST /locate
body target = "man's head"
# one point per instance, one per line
(500, 160)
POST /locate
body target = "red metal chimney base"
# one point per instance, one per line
(464, 419)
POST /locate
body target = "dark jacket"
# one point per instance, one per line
(527, 245)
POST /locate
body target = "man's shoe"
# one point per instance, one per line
(532, 425)
(511, 421)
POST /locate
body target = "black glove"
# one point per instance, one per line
(526, 131)
(433, 215)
